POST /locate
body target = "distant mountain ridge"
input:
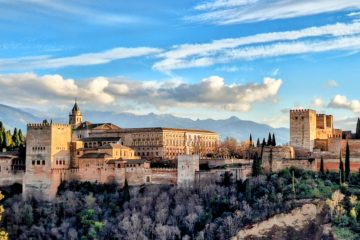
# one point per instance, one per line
(231, 127)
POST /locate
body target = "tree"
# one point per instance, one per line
(270, 159)
(21, 137)
(250, 140)
(273, 140)
(269, 141)
(263, 143)
(322, 165)
(2, 133)
(15, 138)
(126, 191)
(341, 172)
(347, 162)
(256, 166)
(258, 143)
(357, 134)
(3, 235)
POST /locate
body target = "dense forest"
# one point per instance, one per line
(210, 211)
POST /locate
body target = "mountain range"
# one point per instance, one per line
(231, 127)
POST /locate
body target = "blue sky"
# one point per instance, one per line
(253, 59)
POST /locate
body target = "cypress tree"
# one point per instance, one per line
(21, 137)
(258, 142)
(269, 141)
(126, 191)
(15, 138)
(8, 139)
(263, 143)
(347, 162)
(322, 166)
(2, 133)
(270, 159)
(256, 166)
(357, 134)
(341, 172)
(250, 139)
(273, 140)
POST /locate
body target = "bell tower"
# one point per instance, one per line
(75, 116)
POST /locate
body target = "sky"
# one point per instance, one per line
(254, 59)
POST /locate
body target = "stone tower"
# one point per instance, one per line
(47, 158)
(303, 128)
(75, 116)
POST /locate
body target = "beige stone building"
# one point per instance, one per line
(164, 143)
(309, 130)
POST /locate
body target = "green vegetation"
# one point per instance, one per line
(84, 210)
(11, 141)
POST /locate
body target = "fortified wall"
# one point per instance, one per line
(277, 158)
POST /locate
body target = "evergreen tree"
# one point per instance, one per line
(258, 143)
(357, 134)
(322, 165)
(256, 166)
(15, 138)
(21, 137)
(341, 172)
(8, 139)
(270, 159)
(269, 141)
(263, 143)
(126, 191)
(2, 133)
(250, 140)
(347, 162)
(273, 140)
(293, 182)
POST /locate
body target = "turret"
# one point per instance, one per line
(75, 116)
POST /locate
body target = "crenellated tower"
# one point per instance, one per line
(303, 128)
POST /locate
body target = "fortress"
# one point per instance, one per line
(104, 153)
(309, 130)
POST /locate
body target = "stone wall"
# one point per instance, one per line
(163, 176)
(187, 166)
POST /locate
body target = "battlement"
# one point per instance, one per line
(301, 110)
(163, 169)
(39, 125)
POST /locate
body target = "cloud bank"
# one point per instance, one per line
(210, 93)
(225, 12)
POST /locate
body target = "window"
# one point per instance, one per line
(43, 162)
(38, 162)
(33, 162)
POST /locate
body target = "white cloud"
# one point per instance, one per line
(233, 12)
(43, 62)
(340, 101)
(331, 84)
(340, 36)
(210, 5)
(28, 88)
(318, 102)
(209, 93)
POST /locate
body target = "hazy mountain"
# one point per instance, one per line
(232, 127)
(14, 117)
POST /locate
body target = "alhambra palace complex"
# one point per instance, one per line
(105, 153)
